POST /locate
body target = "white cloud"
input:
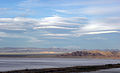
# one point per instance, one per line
(56, 37)
(102, 32)
(57, 34)
(30, 38)
(99, 26)
(20, 23)
(96, 38)
(53, 27)
(4, 8)
(64, 3)
(62, 11)
(16, 23)
(57, 20)
(3, 34)
(9, 35)
(76, 26)
(99, 10)
(94, 30)
(73, 47)
(27, 24)
(30, 3)
(1, 39)
(92, 8)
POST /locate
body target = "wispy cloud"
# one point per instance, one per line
(56, 37)
(63, 11)
(39, 3)
(77, 26)
(106, 25)
(102, 32)
(0, 39)
(45, 20)
(96, 38)
(33, 40)
(53, 27)
(99, 10)
(15, 23)
(4, 8)
(52, 34)
(93, 8)
(57, 22)
(30, 38)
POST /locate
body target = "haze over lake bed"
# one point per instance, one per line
(8, 64)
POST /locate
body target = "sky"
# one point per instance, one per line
(85, 24)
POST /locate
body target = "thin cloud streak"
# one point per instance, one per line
(56, 22)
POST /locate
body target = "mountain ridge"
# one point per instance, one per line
(93, 53)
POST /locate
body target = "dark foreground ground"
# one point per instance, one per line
(75, 69)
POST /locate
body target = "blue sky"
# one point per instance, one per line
(85, 24)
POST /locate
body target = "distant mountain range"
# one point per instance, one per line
(21, 50)
(59, 52)
(93, 53)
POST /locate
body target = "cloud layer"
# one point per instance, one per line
(65, 22)
(76, 26)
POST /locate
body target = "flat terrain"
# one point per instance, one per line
(67, 69)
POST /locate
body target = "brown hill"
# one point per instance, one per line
(93, 53)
